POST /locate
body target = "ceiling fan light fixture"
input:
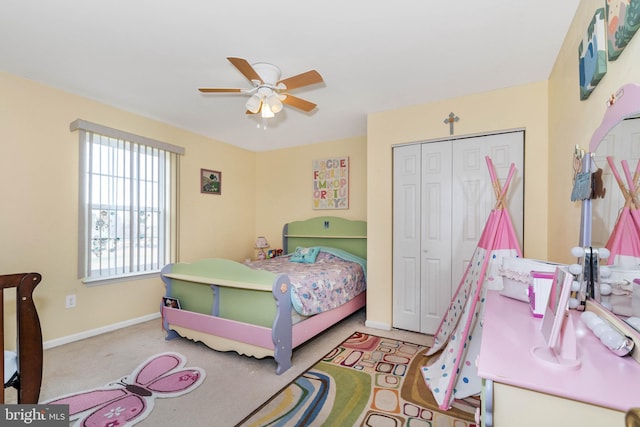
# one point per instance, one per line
(274, 103)
(253, 104)
(266, 97)
(266, 111)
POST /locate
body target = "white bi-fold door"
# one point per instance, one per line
(442, 197)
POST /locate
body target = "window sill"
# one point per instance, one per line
(119, 279)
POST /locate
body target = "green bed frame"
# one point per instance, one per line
(341, 233)
(231, 307)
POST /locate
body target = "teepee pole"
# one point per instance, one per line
(625, 192)
(495, 182)
(503, 194)
(636, 182)
(630, 182)
(499, 191)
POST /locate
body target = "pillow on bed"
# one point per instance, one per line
(305, 255)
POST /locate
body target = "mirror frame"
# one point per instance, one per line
(624, 103)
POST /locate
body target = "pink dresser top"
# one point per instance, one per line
(509, 334)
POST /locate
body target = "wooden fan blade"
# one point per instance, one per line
(300, 80)
(245, 68)
(298, 103)
(218, 90)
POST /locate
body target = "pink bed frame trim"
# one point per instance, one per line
(262, 336)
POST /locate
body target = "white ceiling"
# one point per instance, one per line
(150, 56)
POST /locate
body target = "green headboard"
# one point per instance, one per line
(341, 233)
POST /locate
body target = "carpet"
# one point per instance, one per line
(365, 381)
(130, 399)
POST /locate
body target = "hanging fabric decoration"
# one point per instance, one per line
(581, 179)
(581, 187)
(597, 185)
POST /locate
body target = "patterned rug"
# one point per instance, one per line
(131, 399)
(365, 381)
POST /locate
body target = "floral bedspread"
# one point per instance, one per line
(324, 285)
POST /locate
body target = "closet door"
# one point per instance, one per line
(422, 235)
(442, 197)
(406, 236)
(436, 241)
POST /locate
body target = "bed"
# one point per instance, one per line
(250, 307)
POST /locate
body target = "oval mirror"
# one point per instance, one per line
(615, 148)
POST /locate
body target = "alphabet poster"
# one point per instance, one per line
(331, 183)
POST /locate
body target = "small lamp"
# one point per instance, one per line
(261, 243)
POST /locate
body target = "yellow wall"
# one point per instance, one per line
(284, 185)
(572, 122)
(39, 188)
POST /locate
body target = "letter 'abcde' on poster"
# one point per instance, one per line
(331, 183)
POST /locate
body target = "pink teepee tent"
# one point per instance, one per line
(624, 241)
(452, 375)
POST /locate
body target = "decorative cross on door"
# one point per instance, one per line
(450, 121)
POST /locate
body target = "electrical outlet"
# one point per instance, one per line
(71, 301)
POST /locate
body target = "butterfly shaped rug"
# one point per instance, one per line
(130, 399)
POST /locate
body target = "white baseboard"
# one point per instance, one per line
(98, 331)
(377, 325)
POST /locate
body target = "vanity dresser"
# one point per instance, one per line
(520, 389)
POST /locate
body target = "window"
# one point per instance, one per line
(127, 203)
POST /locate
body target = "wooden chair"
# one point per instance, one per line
(28, 378)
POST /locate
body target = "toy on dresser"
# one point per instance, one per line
(614, 287)
(590, 285)
(609, 335)
(588, 272)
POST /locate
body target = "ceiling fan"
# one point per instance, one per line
(269, 93)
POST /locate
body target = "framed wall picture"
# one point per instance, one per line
(623, 20)
(331, 183)
(592, 55)
(210, 181)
